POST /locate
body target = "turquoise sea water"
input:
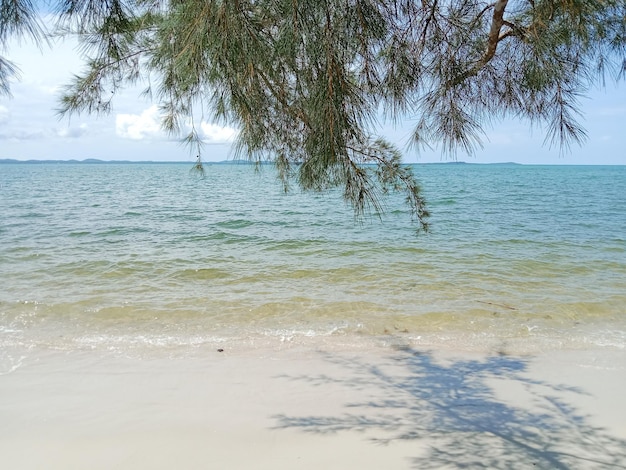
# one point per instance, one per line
(143, 256)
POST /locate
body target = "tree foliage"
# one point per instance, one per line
(305, 81)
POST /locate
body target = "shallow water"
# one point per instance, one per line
(133, 257)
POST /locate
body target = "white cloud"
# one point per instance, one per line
(73, 132)
(214, 134)
(147, 126)
(139, 126)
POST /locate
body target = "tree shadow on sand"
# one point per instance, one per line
(454, 411)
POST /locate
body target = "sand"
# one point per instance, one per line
(314, 408)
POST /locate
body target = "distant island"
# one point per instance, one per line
(96, 161)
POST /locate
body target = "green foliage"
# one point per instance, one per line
(17, 19)
(305, 80)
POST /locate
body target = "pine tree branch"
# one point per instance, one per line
(493, 39)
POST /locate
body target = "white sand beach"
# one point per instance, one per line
(313, 408)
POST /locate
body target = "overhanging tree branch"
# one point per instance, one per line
(493, 39)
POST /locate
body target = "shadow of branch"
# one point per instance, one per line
(455, 410)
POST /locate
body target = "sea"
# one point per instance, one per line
(150, 258)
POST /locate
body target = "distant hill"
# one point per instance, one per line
(97, 161)
(87, 160)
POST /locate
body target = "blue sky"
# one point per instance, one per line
(31, 129)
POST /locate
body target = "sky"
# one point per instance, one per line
(31, 129)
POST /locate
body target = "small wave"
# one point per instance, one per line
(33, 215)
(201, 274)
(9, 365)
(236, 223)
(206, 238)
(115, 342)
(79, 234)
(291, 245)
(445, 202)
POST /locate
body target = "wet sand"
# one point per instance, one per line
(312, 408)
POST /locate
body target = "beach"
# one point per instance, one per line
(308, 408)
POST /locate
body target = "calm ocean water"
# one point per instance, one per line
(131, 257)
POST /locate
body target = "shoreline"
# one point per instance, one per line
(315, 407)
